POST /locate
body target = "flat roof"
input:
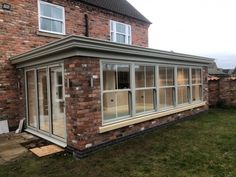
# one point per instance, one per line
(83, 46)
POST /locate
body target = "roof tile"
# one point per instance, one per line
(119, 6)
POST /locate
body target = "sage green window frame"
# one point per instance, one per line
(200, 84)
(132, 90)
(116, 90)
(186, 86)
(37, 129)
(166, 86)
(145, 88)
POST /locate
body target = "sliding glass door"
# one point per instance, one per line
(57, 102)
(45, 101)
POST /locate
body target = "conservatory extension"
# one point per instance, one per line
(83, 93)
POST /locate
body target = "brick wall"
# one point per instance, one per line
(19, 33)
(222, 92)
(83, 107)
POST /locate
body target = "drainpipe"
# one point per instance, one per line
(86, 25)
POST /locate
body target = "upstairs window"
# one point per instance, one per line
(120, 32)
(51, 18)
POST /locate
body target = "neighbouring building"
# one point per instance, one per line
(81, 73)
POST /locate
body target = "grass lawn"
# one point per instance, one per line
(202, 147)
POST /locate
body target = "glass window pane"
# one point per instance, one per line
(120, 28)
(170, 76)
(198, 76)
(194, 76)
(197, 92)
(57, 102)
(150, 76)
(45, 10)
(149, 102)
(50, 11)
(170, 97)
(57, 13)
(166, 97)
(123, 104)
(162, 76)
(109, 76)
(139, 97)
(43, 100)
(120, 38)
(109, 106)
(31, 89)
(183, 76)
(183, 95)
(46, 24)
(186, 76)
(139, 76)
(123, 72)
(57, 26)
(162, 97)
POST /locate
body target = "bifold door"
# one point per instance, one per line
(46, 101)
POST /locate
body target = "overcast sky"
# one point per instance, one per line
(198, 27)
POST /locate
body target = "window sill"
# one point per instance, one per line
(140, 119)
(58, 36)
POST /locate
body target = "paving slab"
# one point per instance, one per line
(10, 145)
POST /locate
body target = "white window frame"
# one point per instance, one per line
(128, 37)
(50, 18)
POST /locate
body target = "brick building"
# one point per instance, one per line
(82, 75)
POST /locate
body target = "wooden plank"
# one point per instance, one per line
(46, 150)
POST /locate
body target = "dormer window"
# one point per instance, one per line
(120, 32)
(51, 18)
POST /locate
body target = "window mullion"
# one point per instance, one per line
(132, 70)
(190, 85)
(176, 88)
(157, 81)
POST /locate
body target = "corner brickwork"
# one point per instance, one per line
(83, 107)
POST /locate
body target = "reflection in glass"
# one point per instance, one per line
(123, 104)
(109, 106)
(31, 90)
(166, 76)
(150, 76)
(123, 73)
(196, 76)
(183, 76)
(139, 76)
(183, 95)
(166, 97)
(43, 100)
(109, 76)
(140, 101)
(197, 92)
(116, 105)
(144, 100)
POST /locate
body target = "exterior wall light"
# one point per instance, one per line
(6, 6)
